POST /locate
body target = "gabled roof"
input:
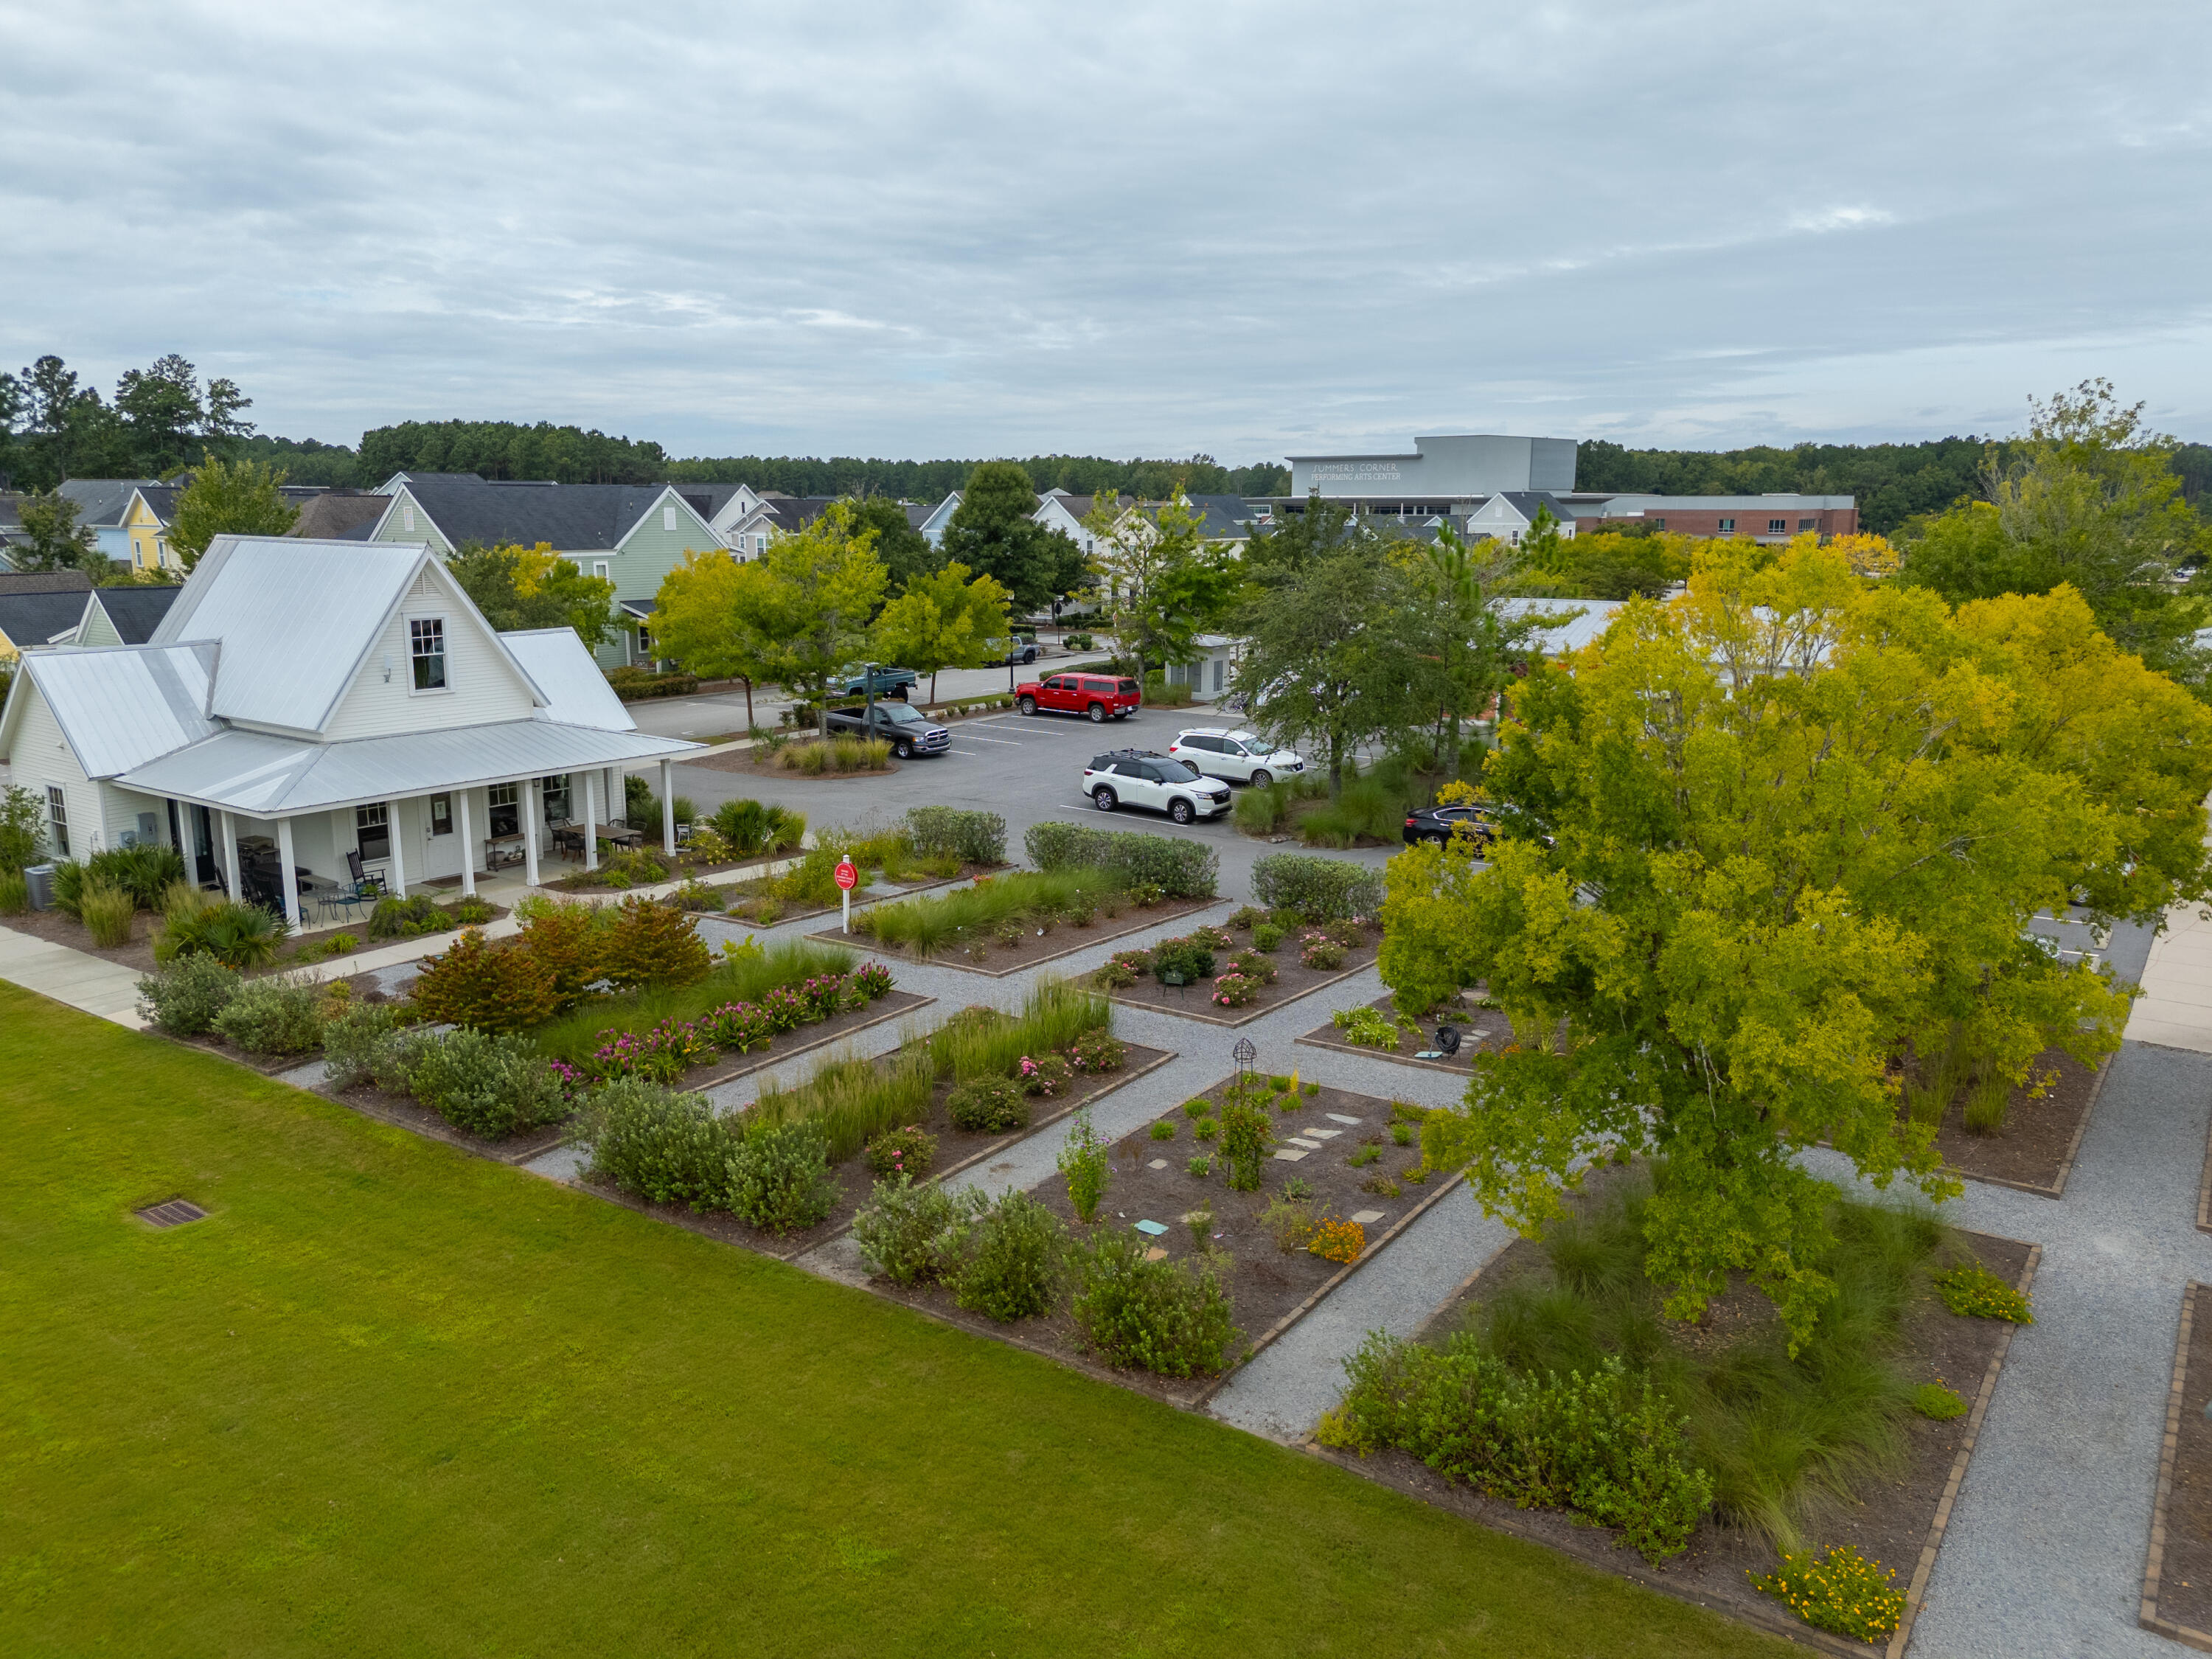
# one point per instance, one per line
(136, 609)
(30, 619)
(45, 581)
(576, 692)
(571, 517)
(1226, 517)
(297, 619)
(160, 500)
(101, 502)
(118, 706)
(339, 518)
(1526, 501)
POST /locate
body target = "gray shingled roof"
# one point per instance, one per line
(100, 501)
(28, 620)
(570, 517)
(137, 610)
(707, 499)
(340, 518)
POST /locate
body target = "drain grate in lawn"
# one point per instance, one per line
(173, 1213)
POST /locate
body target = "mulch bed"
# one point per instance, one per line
(1479, 1029)
(1293, 980)
(742, 761)
(2177, 1586)
(57, 928)
(1269, 1288)
(407, 1113)
(576, 879)
(2035, 1151)
(1063, 939)
(785, 1045)
(792, 911)
(1890, 1525)
(957, 1150)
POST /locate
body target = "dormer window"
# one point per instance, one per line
(427, 638)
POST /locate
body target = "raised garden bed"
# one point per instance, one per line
(408, 1113)
(957, 1150)
(2177, 1592)
(1479, 1029)
(804, 1039)
(2035, 1151)
(1898, 1518)
(1269, 1288)
(1293, 980)
(574, 879)
(1060, 939)
(743, 900)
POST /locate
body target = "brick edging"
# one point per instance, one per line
(2154, 1563)
(1915, 1597)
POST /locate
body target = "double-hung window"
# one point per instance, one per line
(427, 640)
(58, 819)
(505, 802)
(372, 828)
(556, 792)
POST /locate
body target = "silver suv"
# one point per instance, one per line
(1139, 777)
(1234, 753)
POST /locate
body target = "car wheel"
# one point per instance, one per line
(1103, 800)
(1178, 810)
(1260, 777)
(1098, 714)
(1028, 705)
(903, 749)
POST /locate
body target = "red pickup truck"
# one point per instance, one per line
(1099, 695)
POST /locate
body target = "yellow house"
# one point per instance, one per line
(146, 525)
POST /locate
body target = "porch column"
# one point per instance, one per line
(184, 838)
(228, 830)
(397, 840)
(590, 828)
(468, 848)
(529, 830)
(341, 833)
(608, 782)
(290, 882)
(668, 807)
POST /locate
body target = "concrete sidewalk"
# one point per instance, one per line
(76, 977)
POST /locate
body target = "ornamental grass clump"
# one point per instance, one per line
(106, 912)
(849, 1099)
(1841, 1592)
(1170, 1316)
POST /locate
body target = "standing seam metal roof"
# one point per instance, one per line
(121, 706)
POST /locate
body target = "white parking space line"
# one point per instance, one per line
(1011, 742)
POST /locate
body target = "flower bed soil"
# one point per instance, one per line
(57, 928)
(574, 881)
(957, 1150)
(2176, 1600)
(2035, 1150)
(408, 1113)
(787, 1045)
(1896, 1522)
(741, 761)
(1269, 1289)
(1479, 1029)
(1293, 980)
(1064, 940)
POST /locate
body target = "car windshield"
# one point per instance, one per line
(1174, 771)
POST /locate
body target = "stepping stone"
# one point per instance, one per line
(1291, 1154)
(1338, 1117)
(1155, 1254)
(1367, 1217)
(1153, 1228)
(1321, 1134)
(1158, 1164)
(1311, 1146)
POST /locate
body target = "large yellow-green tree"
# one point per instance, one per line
(943, 619)
(718, 617)
(224, 500)
(1761, 844)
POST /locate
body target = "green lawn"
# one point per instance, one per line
(390, 1398)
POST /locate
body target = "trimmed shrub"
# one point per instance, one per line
(407, 918)
(23, 816)
(236, 935)
(1267, 936)
(1186, 956)
(1171, 1317)
(653, 944)
(1319, 950)
(1044, 1074)
(185, 998)
(1592, 1443)
(1098, 1050)
(1011, 1266)
(568, 940)
(483, 986)
(908, 1152)
(280, 1015)
(1235, 990)
(988, 1105)
(492, 1087)
(358, 1044)
(667, 1147)
(1319, 889)
(1253, 965)
(1180, 869)
(778, 1176)
(912, 1234)
(971, 837)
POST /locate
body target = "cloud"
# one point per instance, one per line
(986, 227)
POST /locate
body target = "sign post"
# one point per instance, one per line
(847, 879)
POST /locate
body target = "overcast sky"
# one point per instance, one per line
(903, 230)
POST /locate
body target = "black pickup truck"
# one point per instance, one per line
(906, 731)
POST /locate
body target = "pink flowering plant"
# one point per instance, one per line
(872, 980)
(1320, 950)
(1234, 990)
(908, 1152)
(1043, 1074)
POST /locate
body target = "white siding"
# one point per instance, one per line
(41, 757)
(97, 628)
(481, 687)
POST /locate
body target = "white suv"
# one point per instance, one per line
(1240, 755)
(1138, 777)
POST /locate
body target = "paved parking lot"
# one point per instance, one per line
(1028, 770)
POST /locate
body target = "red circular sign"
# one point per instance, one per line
(848, 877)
